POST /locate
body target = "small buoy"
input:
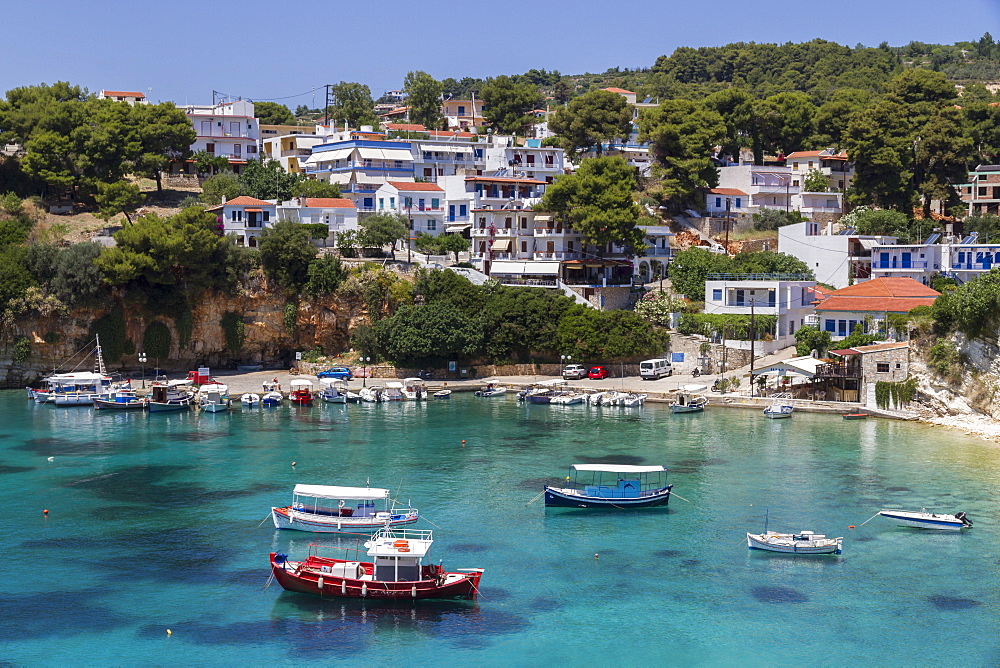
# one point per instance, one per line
(851, 526)
(463, 441)
(597, 556)
(45, 512)
(293, 463)
(52, 459)
(169, 632)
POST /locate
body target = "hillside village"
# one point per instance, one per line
(753, 241)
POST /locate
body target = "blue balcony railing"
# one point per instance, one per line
(974, 266)
(899, 264)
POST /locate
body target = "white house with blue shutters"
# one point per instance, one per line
(786, 296)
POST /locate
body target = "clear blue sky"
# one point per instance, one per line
(259, 49)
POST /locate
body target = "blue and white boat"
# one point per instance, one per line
(777, 411)
(333, 509)
(803, 542)
(926, 520)
(611, 486)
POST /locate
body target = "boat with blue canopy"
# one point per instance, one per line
(611, 486)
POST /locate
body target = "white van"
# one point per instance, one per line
(655, 369)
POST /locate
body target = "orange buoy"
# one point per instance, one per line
(45, 512)
(851, 526)
(597, 556)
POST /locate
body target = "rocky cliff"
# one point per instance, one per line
(36, 343)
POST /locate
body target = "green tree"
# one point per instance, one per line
(163, 133)
(880, 222)
(325, 275)
(987, 224)
(590, 120)
(770, 262)
(942, 152)
(453, 243)
(156, 340)
(815, 182)
(384, 229)
(772, 219)
(506, 103)
(736, 108)
(597, 201)
(272, 113)
(220, 188)
(265, 179)
(316, 188)
(75, 276)
(118, 197)
(682, 135)
(690, 269)
(352, 102)
(286, 251)
(608, 335)
(418, 335)
(809, 338)
(880, 143)
(423, 95)
(792, 115)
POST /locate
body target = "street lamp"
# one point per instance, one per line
(565, 359)
(142, 360)
(364, 370)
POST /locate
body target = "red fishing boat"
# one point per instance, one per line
(301, 392)
(396, 571)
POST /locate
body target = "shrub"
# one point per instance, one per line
(22, 349)
(943, 357)
(114, 341)
(234, 331)
(156, 340)
(185, 327)
(290, 317)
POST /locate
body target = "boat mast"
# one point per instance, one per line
(99, 361)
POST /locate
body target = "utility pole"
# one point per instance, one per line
(753, 334)
(729, 208)
(326, 104)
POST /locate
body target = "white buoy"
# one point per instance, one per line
(364, 589)
(413, 591)
(343, 587)
(52, 459)
(319, 583)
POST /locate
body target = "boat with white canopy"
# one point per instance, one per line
(214, 397)
(689, 399)
(414, 389)
(334, 509)
(333, 390)
(611, 486)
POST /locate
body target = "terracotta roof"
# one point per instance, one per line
(873, 304)
(886, 287)
(414, 187)
(817, 154)
(123, 93)
(861, 350)
(728, 191)
(620, 91)
(330, 203)
(504, 179)
(243, 200)
(407, 127)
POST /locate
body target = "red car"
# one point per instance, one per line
(597, 373)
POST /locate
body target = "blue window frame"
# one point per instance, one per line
(435, 203)
(738, 203)
(463, 210)
(716, 295)
(718, 202)
(369, 202)
(830, 325)
(432, 224)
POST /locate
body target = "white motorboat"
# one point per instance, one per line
(632, 400)
(414, 389)
(689, 399)
(777, 411)
(393, 391)
(803, 542)
(442, 394)
(250, 400)
(325, 509)
(333, 390)
(370, 395)
(490, 390)
(214, 398)
(568, 399)
(926, 520)
(272, 395)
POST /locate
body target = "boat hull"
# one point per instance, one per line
(822, 546)
(293, 576)
(674, 408)
(104, 404)
(924, 520)
(561, 498)
(285, 519)
(159, 407)
(856, 416)
(538, 400)
(215, 408)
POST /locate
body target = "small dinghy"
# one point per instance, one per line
(803, 542)
(632, 400)
(778, 411)
(442, 394)
(250, 400)
(490, 390)
(926, 520)
(855, 416)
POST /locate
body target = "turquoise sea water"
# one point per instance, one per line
(153, 524)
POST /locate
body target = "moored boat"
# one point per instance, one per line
(168, 398)
(122, 399)
(301, 392)
(611, 486)
(490, 390)
(333, 390)
(333, 509)
(778, 411)
(633, 400)
(568, 398)
(803, 542)
(414, 389)
(214, 398)
(689, 399)
(442, 394)
(926, 520)
(250, 400)
(855, 416)
(396, 571)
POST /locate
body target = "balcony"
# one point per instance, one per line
(558, 255)
(900, 264)
(837, 371)
(295, 152)
(533, 282)
(972, 266)
(554, 231)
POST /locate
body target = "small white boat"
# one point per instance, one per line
(393, 391)
(414, 389)
(926, 520)
(490, 390)
(334, 390)
(633, 400)
(803, 542)
(777, 411)
(689, 399)
(355, 398)
(442, 394)
(569, 398)
(371, 394)
(328, 509)
(214, 398)
(250, 400)
(272, 398)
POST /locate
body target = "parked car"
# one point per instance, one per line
(655, 369)
(574, 372)
(598, 373)
(339, 372)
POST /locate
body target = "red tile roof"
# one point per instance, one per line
(728, 191)
(620, 91)
(817, 154)
(330, 203)
(887, 287)
(243, 200)
(446, 133)
(414, 187)
(406, 127)
(123, 93)
(874, 304)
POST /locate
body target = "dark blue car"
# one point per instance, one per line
(339, 372)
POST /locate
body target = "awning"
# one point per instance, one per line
(370, 153)
(543, 218)
(340, 178)
(331, 492)
(325, 156)
(868, 244)
(501, 244)
(396, 154)
(541, 268)
(455, 228)
(368, 180)
(796, 366)
(506, 267)
(445, 149)
(257, 210)
(617, 468)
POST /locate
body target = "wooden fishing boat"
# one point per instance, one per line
(301, 392)
(334, 509)
(169, 398)
(121, 399)
(689, 400)
(926, 520)
(611, 486)
(395, 571)
(855, 416)
(803, 542)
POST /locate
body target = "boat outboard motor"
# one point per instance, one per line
(963, 519)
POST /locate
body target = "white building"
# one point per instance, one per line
(421, 203)
(360, 167)
(227, 130)
(245, 217)
(290, 150)
(338, 214)
(835, 259)
(766, 186)
(835, 166)
(788, 298)
(531, 161)
(132, 97)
